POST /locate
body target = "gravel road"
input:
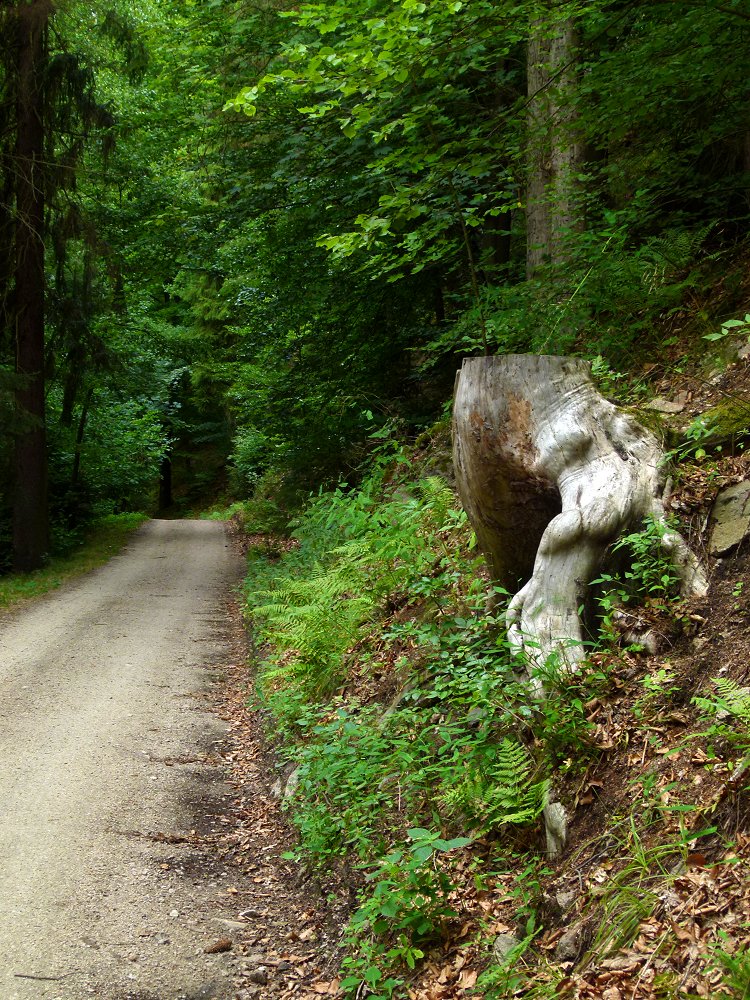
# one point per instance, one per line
(106, 769)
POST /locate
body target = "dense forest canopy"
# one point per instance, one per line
(266, 233)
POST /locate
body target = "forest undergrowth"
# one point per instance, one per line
(420, 762)
(86, 550)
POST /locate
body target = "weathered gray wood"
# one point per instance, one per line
(550, 473)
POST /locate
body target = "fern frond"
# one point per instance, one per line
(736, 699)
(438, 500)
(505, 795)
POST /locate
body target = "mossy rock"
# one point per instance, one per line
(729, 420)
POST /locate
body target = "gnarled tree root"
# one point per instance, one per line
(550, 474)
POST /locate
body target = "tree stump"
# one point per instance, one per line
(550, 473)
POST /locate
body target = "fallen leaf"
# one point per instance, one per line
(467, 979)
(223, 944)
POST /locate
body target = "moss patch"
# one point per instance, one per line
(727, 421)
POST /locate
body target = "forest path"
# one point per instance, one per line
(105, 763)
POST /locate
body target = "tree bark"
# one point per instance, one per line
(538, 229)
(80, 432)
(165, 483)
(554, 153)
(550, 473)
(30, 520)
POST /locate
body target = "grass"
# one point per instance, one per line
(105, 538)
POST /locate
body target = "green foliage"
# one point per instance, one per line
(730, 326)
(658, 686)
(695, 437)
(103, 539)
(311, 268)
(407, 906)
(633, 893)
(426, 730)
(364, 773)
(560, 714)
(728, 711)
(119, 457)
(345, 784)
(249, 458)
(317, 619)
(650, 574)
(507, 978)
(734, 962)
(506, 795)
(396, 88)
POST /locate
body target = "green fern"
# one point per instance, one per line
(735, 699)
(504, 794)
(731, 704)
(438, 500)
(353, 553)
(657, 264)
(317, 619)
(676, 250)
(731, 698)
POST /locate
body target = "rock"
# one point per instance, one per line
(638, 633)
(504, 944)
(232, 925)
(565, 900)
(556, 828)
(730, 517)
(291, 784)
(568, 946)
(661, 405)
(259, 976)
(652, 642)
(277, 789)
(727, 421)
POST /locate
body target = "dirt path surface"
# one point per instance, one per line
(107, 761)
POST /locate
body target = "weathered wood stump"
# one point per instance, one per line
(550, 473)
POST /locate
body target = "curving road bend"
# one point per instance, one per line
(105, 770)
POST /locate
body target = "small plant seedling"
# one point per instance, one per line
(728, 326)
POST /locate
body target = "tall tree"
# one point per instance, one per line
(30, 522)
(553, 151)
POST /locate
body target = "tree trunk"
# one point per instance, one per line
(550, 473)
(165, 483)
(76, 471)
(30, 522)
(554, 154)
(538, 231)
